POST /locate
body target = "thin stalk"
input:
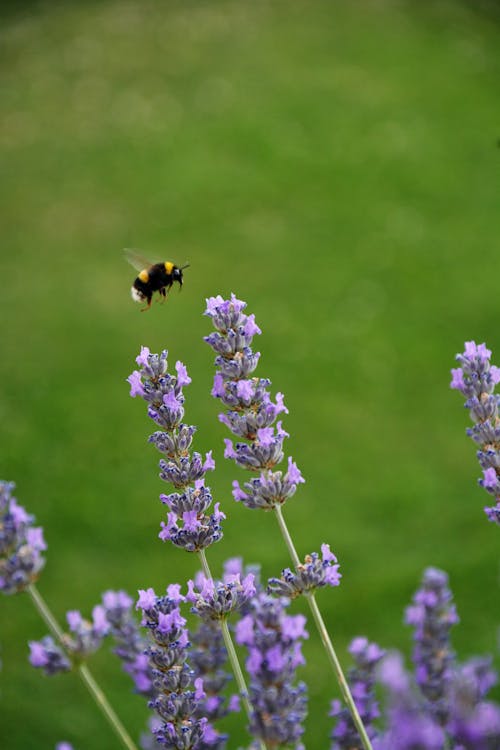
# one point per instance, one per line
(325, 638)
(233, 656)
(83, 670)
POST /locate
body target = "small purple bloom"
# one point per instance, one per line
(313, 573)
(182, 375)
(48, 656)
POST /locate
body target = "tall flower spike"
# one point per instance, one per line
(476, 379)
(250, 414)
(274, 641)
(175, 700)
(432, 615)
(21, 544)
(130, 643)
(188, 525)
(362, 681)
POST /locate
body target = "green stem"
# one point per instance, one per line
(82, 669)
(325, 638)
(233, 656)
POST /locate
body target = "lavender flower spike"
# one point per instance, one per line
(274, 642)
(250, 414)
(362, 681)
(432, 614)
(476, 379)
(313, 573)
(21, 544)
(130, 643)
(188, 525)
(174, 699)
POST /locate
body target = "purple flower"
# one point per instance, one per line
(130, 643)
(250, 413)
(46, 655)
(476, 379)
(21, 544)
(188, 524)
(474, 723)
(313, 573)
(274, 640)
(215, 600)
(208, 657)
(177, 693)
(432, 615)
(361, 680)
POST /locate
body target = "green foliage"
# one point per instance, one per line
(335, 165)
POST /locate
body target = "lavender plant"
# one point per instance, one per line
(476, 379)
(251, 416)
(442, 705)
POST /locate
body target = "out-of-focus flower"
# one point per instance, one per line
(361, 680)
(130, 643)
(21, 544)
(432, 615)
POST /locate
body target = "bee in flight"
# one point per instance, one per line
(153, 277)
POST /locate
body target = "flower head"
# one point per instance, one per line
(313, 573)
(21, 544)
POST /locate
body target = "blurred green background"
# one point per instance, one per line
(336, 165)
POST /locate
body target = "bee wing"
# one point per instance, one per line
(138, 261)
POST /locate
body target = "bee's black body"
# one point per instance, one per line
(156, 277)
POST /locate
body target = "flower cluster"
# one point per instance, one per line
(208, 658)
(84, 638)
(250, 413)
(21, 544)
(408, 725)
(215, 600)
(313, 573)
(447, 706)
(476, 379)
(130, 643)
(362, 682)
(174, 699)
(188, 525)
(432, 614)
(274, 642)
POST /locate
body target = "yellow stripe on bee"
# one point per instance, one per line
(144, 276)
(169, 267)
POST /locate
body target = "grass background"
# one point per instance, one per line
(334, 164)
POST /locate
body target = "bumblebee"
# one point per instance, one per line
(153, 277)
